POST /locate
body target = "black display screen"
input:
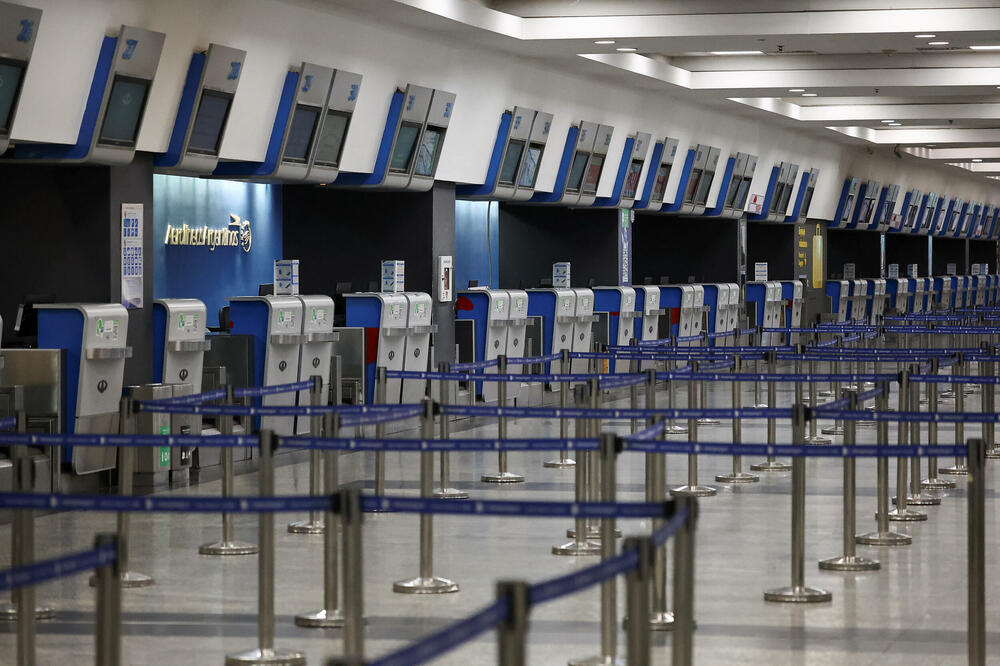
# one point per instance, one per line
(806, 200)
(511, 160)
(300, 134)
(786, 194)
(953, 224)
(529, 172)
(427, 154)
(692, 185)
(331, 138)
(779, 193)
(124, 111)
(11, 75)
(593, 174)
(209, 122)
(660, 186)
(925, 223)
(576, 171)
(402, 152)
(704, 185)
(911, 214)
(866, 205)
(741, 198)
(732, 191)
(847, 208)
(632, 179)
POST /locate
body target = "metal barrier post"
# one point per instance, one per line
(916, 496)
(659, 618)
(987, 404)
(108, 615)
(992, 447)
(959, 468)
(502, 475)
(797, 592)
(581, 543)
(883, 536)
(772, 465)
(23, 538)
(849, 561)
(757, 401)
(380, 399)
(593, 466)
(512, 632)
(352, 572)
(933, 481)
(315, 524)
(673, 428)
(682, 643)
(426, 582)
(446, 491)
(737, 475)
(610, 446)
(813, 437)
(637, 584)
(265, 653)
(564, 460)
(228, 545)
(976, 553)
(692, 487)
(330, 614)
(838, 427)
(901, 513)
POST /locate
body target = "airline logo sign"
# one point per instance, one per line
(236, 234)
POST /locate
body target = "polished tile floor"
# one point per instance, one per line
(913, 611)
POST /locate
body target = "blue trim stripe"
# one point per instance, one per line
(882, 196)
(184, 109)
(768, 193)
(382, 158)
(270, 163)
(920, 212)
(560, 185)
(654, 168)
(800, 196)
(856, 213)
(159, 341)
(616, 192)
(903, 211)
(720, 201)
(493, 172)
(681, 185)
(88, 124)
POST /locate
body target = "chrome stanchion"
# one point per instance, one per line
(692, 487)
(228, 545)
(265, 652)
(610, 445)
(330, 614)
(446, 491)
(512, 632)
(315, 524)
(993, 448)
(932, 481)
(22, 542)
(849, 561)
(593, 465)
(108, 614)
(637, 584)
(682, 642)
(772, 465)
(757, 401)
(916, 496)
(737, 475)
(838, 427)
(814, 437)
(502, 475)
(660, 619)
(703, 393)
(23, 538)
(352, 572)
(673, 428)
(797, 592)
(564, 461)
(959, 468)
(901, 513)
(380, 399)
(987, 404)
(976, 553)
(581, 543)
(427, 582)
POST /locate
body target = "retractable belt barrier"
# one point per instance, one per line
(8, 423)
(57, 567)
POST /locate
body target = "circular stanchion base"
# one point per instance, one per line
(228, 548)
(268, 657)
(676, 430)
(737, 477)
(661, 621)
(993, 453)
(865, 424)
(597, 661)
(708, 421)
(825, 393)
(771, 467)
(569, 463)
(919, 500)
(306, 527)
(797, 595)
(593, 533)
(761, 405)
(693, 491)
(321, 618)
(946, 395)
(8, 613)
(833, 430)
(129, 579)
(450, 493)
(849, 563)
(937, 484)
(577, 549)
(954, 470)
(502, 477)
(883, 539)
(420, 585)
(906, 516)
(817, 440)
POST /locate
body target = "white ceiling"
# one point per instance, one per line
(860, 58)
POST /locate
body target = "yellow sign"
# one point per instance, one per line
(817, 261)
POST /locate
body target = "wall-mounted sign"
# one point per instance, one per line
(756, 204)
(952, 269)
(911, 270)
(625, 218)
(236, 234)
(132, 259)
(893, 271)
(849, 271)
(760, 271)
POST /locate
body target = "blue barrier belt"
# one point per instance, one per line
(57, 567)
(389, 412)
(579, 580)
(649, 433)
(476, 365)
(662, 534)
(515, 508)
(8, 423)
(452, 444)
(608, 413)
(218, 441)
(163, 504)
(795, 450)
(909, 417)
(530, 360)
(255, 392)
(688, 338)
(195, 399)
(954, 379)
(621, 380)
(777, 377)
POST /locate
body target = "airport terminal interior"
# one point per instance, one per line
(588, 332)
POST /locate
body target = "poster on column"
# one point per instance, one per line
(132, 259)
(625, 219)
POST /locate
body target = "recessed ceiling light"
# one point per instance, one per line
(626, 49)
(977, 159)
(888, 121)
(895, 124)
(938, 43)
(605, 41)
(985, 47)
(735, 53)
(809, 94)
(925, 36)
(803, 89)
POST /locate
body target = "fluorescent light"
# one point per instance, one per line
(605, 41)
(985, 47)
(925, 36)
(977, 159)
(938, 43)
(735, 53)
(626, 49)
(888, 121)
(809, 94)
(894, 124)
(803, 89)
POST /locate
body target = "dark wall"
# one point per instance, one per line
(862, 248)
(905, 249)
(680, 247)
(775, 244)
(443, 243)
(983, 252)
(949, 251)
(532, 238)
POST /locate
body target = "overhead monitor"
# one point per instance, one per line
(911, 215)
(953, 223)
(786, 194)
(704, 185)
(529, 169)
(968, 218)
(741, 196)
(301, 133)
(632, 179)
(429, 151)
(928, 218)
(402, 152)
(806, 200)
(123, 114)
(593, 174)
(847, 208)
(866, 205)
(660, 184)
(330, 146)
(692, 185)
(576, 171)
(210, 122)
(884, 212)
(732, 193)
(511, 160)
(11, 75)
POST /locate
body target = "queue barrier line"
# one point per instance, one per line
(197, 398)
(274, 389)
(779, 377)
(906, 417)
(57, 567)
(377, 413)
(450, 444)
(214, 441)
(647, 434)
(475, 365)
(8, 423)
(796, 450)
(955, 379)
(607, 413)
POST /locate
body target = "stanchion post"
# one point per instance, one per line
(564, 460)
(958, 390)
(446, 491)
(512, 632)
(692, 487)
(502, 475)
(315, 524)
(933, 481)
(757, 401)
(352, 573)
(637, 586)
(23, 540)
(916, 495)
(901, 512)
(380, 399)
(581, 543)
(108, 615)
(797, 592)
(737, 475)
(682, 643)
(976, 553)
(814, 437)
(659, 618)
(771, 464)
(426, 582)
(673, 428)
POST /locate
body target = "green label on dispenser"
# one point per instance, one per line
(164, 450)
